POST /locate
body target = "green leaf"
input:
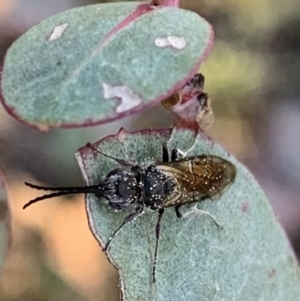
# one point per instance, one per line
(5, 222)
(100, 62)
(249, 259)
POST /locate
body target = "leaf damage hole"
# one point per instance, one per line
(172, 41)
(58, 31)
(128, 99)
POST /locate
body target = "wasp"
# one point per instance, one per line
(172, 182)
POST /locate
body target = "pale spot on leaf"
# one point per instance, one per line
(173, 41)
(128, 99)
(58, 31)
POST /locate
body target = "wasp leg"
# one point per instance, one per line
(121, 161)
(128, 219)
(202, 212)
(177, 210)
(157, 235)
(165, 153)
(178, 154)
(175, 154)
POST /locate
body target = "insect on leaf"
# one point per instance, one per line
(248, 259)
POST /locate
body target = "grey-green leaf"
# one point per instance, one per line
(249, 259)
(100, 62)
(5, 222)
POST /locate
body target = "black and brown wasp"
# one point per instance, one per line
(170, 183)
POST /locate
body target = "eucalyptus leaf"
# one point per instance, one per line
(100, 62)
(5, 222)
(249, 259)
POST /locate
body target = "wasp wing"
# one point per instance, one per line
(198, 178)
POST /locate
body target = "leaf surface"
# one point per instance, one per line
(249, 259)
(100, 62)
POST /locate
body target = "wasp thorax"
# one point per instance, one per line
(120, 188)
(157, 187)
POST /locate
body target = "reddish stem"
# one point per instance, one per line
(165, 2)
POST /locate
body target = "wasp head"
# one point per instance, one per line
(120, 188)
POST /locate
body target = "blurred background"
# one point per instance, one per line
(253, 77)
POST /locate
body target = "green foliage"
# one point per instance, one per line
(103, 62)
(249, 259)
(98, 63)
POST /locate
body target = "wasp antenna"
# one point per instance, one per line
(46, 196)
(74, 189)
(96, 189)
(44, 187)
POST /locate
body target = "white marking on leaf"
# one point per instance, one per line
(128, 99)
(58, 31)
(173, 41)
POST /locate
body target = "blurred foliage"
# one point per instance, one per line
(252, 76)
